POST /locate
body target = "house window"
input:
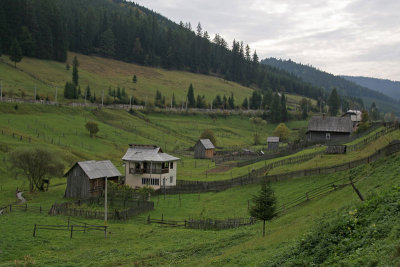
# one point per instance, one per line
(328, 136)
(171, 179)
(171, 165)
(150, 181)
(137, 165)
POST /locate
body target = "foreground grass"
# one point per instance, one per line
(135, 242)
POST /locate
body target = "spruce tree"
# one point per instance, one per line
(134, 79)
(275, 109)
(15, 52)
(284, 113)
(333, 102)
(75, 76)
(264, 204)
(190, 97)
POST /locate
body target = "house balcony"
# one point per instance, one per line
(148, 170)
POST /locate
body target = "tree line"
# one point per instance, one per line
(126, 31)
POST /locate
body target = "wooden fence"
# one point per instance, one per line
(20, 207)
(206, 224)
(69, 209)
(74, 227)
(255, 176)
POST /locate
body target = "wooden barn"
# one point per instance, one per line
(273, 142)
(87, 178)
(204, 149)
(326, 129)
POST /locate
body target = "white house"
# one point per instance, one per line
(149, 165)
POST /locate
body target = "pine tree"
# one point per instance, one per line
(15, 52)
(134, 79)
(190, 97)
(284, 113)
(88, 94)
(173, 100)
(333, 102)
(245, 103)
(75, 76)
(264, 204)
(275, 109)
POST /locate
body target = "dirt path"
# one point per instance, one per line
(20, 197)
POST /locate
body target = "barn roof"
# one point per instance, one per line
(330, 124)
(207, 143)
(272, 139)
(147, 153)
(97, 169)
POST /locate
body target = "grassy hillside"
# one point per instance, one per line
(102, 73)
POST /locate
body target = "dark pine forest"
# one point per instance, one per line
(47, 29)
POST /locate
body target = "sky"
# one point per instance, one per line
(342, 37)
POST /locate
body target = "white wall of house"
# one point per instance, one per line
(154, 180)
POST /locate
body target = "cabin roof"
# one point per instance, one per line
(330, 124)
(97, 169)
(147, 153)
(207, 143)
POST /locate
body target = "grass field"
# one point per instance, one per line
(135, 242)
(102, 73)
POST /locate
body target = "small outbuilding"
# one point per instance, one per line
(87, 178)
(273, 142)
(354, 115)
(204, 149)
(325, 128)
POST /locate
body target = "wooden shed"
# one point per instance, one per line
(203, 149)
(87, 178)
(273, 142)
(325, 128)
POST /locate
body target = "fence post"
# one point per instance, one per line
(40, 208)
(72, 229)
(84, 229)
(148, 219)
(162, 217)
(307, 196)
(10, 207)
(105, 231)
(34, 231)
(68, 221)
(26, 207)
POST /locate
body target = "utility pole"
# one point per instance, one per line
(56, 93)
(171, 102)
(102, 98)
(85, 95)
(105, 207)
(130, 102)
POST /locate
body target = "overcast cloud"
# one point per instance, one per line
(352, 37)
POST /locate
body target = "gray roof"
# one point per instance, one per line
(207, 143)
(330, 124)
(97, 169)
(141, 153)
(273, 139)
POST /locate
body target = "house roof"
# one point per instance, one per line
(355, 115)
(272, 139)
(147, 153)
(207, 143)
(97, 169)
(330, 124)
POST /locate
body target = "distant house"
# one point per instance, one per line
(87, 178)
(204, 148)
(273, 142)
(149, 165)
(354, 115)
(325, 128)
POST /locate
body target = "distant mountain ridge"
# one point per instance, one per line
(328, 81)
(387, 87)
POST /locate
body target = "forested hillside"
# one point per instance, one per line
(387, 87)
(126, 31)
(328, 81)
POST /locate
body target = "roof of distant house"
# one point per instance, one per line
(147, 153)
(207, 143)
(272, 139)
(330, 124)
(97, 169)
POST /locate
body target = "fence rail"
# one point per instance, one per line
(256, 175)
(75, 227)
